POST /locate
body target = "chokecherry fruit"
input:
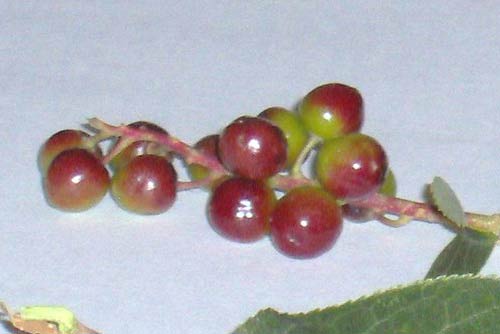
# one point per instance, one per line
(140, 147)
(207, 145)
(146, 185)
(253, 147)
(239, 209)
(62, 141)
(351, 166)
(332, 110)
(305, 222)
(75, 180)
(295, 133)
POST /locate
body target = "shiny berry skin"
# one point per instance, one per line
(351, 166)
(252, 147)
(291, 126)
(207, 145)
(76, 180)
(62, 141)
(305, 222)
(239, 209)
(140, 147)
(332, 110)
(146, 185)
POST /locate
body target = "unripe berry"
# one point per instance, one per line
(351, 166)
(207, 145)
(295, 133)
(332, 110)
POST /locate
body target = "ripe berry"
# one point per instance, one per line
(146, 185)
(351, 166)
(239, 209)
(332, 110)
(76, 180)
(140, 147)
(62, 141)
(295, 134)
(305, 222)
(252, 147)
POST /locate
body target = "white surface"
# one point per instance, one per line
(429, 73)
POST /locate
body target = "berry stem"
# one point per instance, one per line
(378, 204)
(122, 143)
(410, 210)
(288, 182)
(312, 142)
(189, 154)
(202, 183)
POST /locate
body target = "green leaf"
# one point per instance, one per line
(465, 254)
(446, 305)
(447, 202)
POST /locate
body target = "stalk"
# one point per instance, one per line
(379, 205)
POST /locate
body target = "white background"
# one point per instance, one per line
(430, 76)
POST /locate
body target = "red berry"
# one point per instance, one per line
(76, 180)
(252, 147)
(305, 222)
(62, 141)
(145, 125)
(239, 209)
(351, 166)
(140, 147)
(332, 110)
(146, 185)
(207, 145)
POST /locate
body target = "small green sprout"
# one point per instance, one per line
(45, 320)
(64, 318)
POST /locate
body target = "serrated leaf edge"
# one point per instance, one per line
(438, 205)
(422, 282)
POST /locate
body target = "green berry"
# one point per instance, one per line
(291, 126)
(332, 110)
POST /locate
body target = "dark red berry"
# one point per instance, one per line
(305, 222)
(252, 147)
(239, 209)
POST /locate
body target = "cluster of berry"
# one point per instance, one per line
(75, 176)
(244, 167)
